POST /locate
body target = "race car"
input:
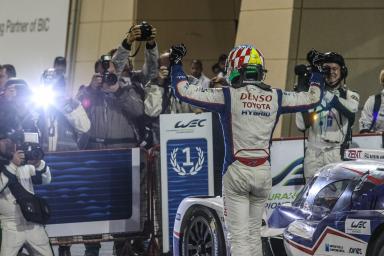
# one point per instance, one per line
(339, 212)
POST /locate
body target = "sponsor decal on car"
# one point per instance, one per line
(334, 248)
(358, 226)
(357, 251)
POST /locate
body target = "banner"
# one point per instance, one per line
(32, 34)
(186, 163)
(93, 192)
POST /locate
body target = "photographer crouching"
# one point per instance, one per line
(22, 213)
(330, 123)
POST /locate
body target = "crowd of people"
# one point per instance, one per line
(120, 108)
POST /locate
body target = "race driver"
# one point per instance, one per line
(249, 110)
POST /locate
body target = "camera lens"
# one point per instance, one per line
(109, 78)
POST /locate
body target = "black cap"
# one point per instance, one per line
(59, 60)
(334, 57)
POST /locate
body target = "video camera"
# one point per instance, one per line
(107, 77)
(27, 142)
(316, 60)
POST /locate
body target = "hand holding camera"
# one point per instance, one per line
(18, 158)
(142, 32)
(96, 81)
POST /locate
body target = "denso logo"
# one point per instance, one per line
(192, 123)
(359, 224)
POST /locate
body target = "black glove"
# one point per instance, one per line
(177, 54)
(147, 140)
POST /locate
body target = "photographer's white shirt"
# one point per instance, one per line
(9, 209)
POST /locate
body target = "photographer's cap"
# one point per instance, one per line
(59, 60)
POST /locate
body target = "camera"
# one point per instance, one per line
(107, 77)
(27, 142)
(53, 80)
(146, 31)
(304, 71)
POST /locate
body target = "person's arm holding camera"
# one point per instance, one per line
(92, 88)
(74, 113)
(151, 55)
(17, 159)
(40, 172)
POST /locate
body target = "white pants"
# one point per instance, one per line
(317, 158)
(245, 191)
(33, 236)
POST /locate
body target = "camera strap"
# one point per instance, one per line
(136, 51)
(34, 208)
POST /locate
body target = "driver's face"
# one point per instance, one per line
(335, 73)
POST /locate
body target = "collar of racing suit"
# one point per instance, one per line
(259, 84)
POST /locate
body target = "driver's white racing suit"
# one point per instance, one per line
(248, 116)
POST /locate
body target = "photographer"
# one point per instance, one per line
(64, 118)
(160, 99)
(16, 106)
(16, 230)
(123, 64)
(329, 124)
(7, 71)
(371, 119)
(114, 109)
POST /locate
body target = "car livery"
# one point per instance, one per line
(339, 212)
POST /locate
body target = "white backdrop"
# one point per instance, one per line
(32, 34)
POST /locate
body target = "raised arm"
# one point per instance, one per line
(210, 99)
(301, 101)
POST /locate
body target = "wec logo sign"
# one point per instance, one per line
(358, 226)
(192, 123)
